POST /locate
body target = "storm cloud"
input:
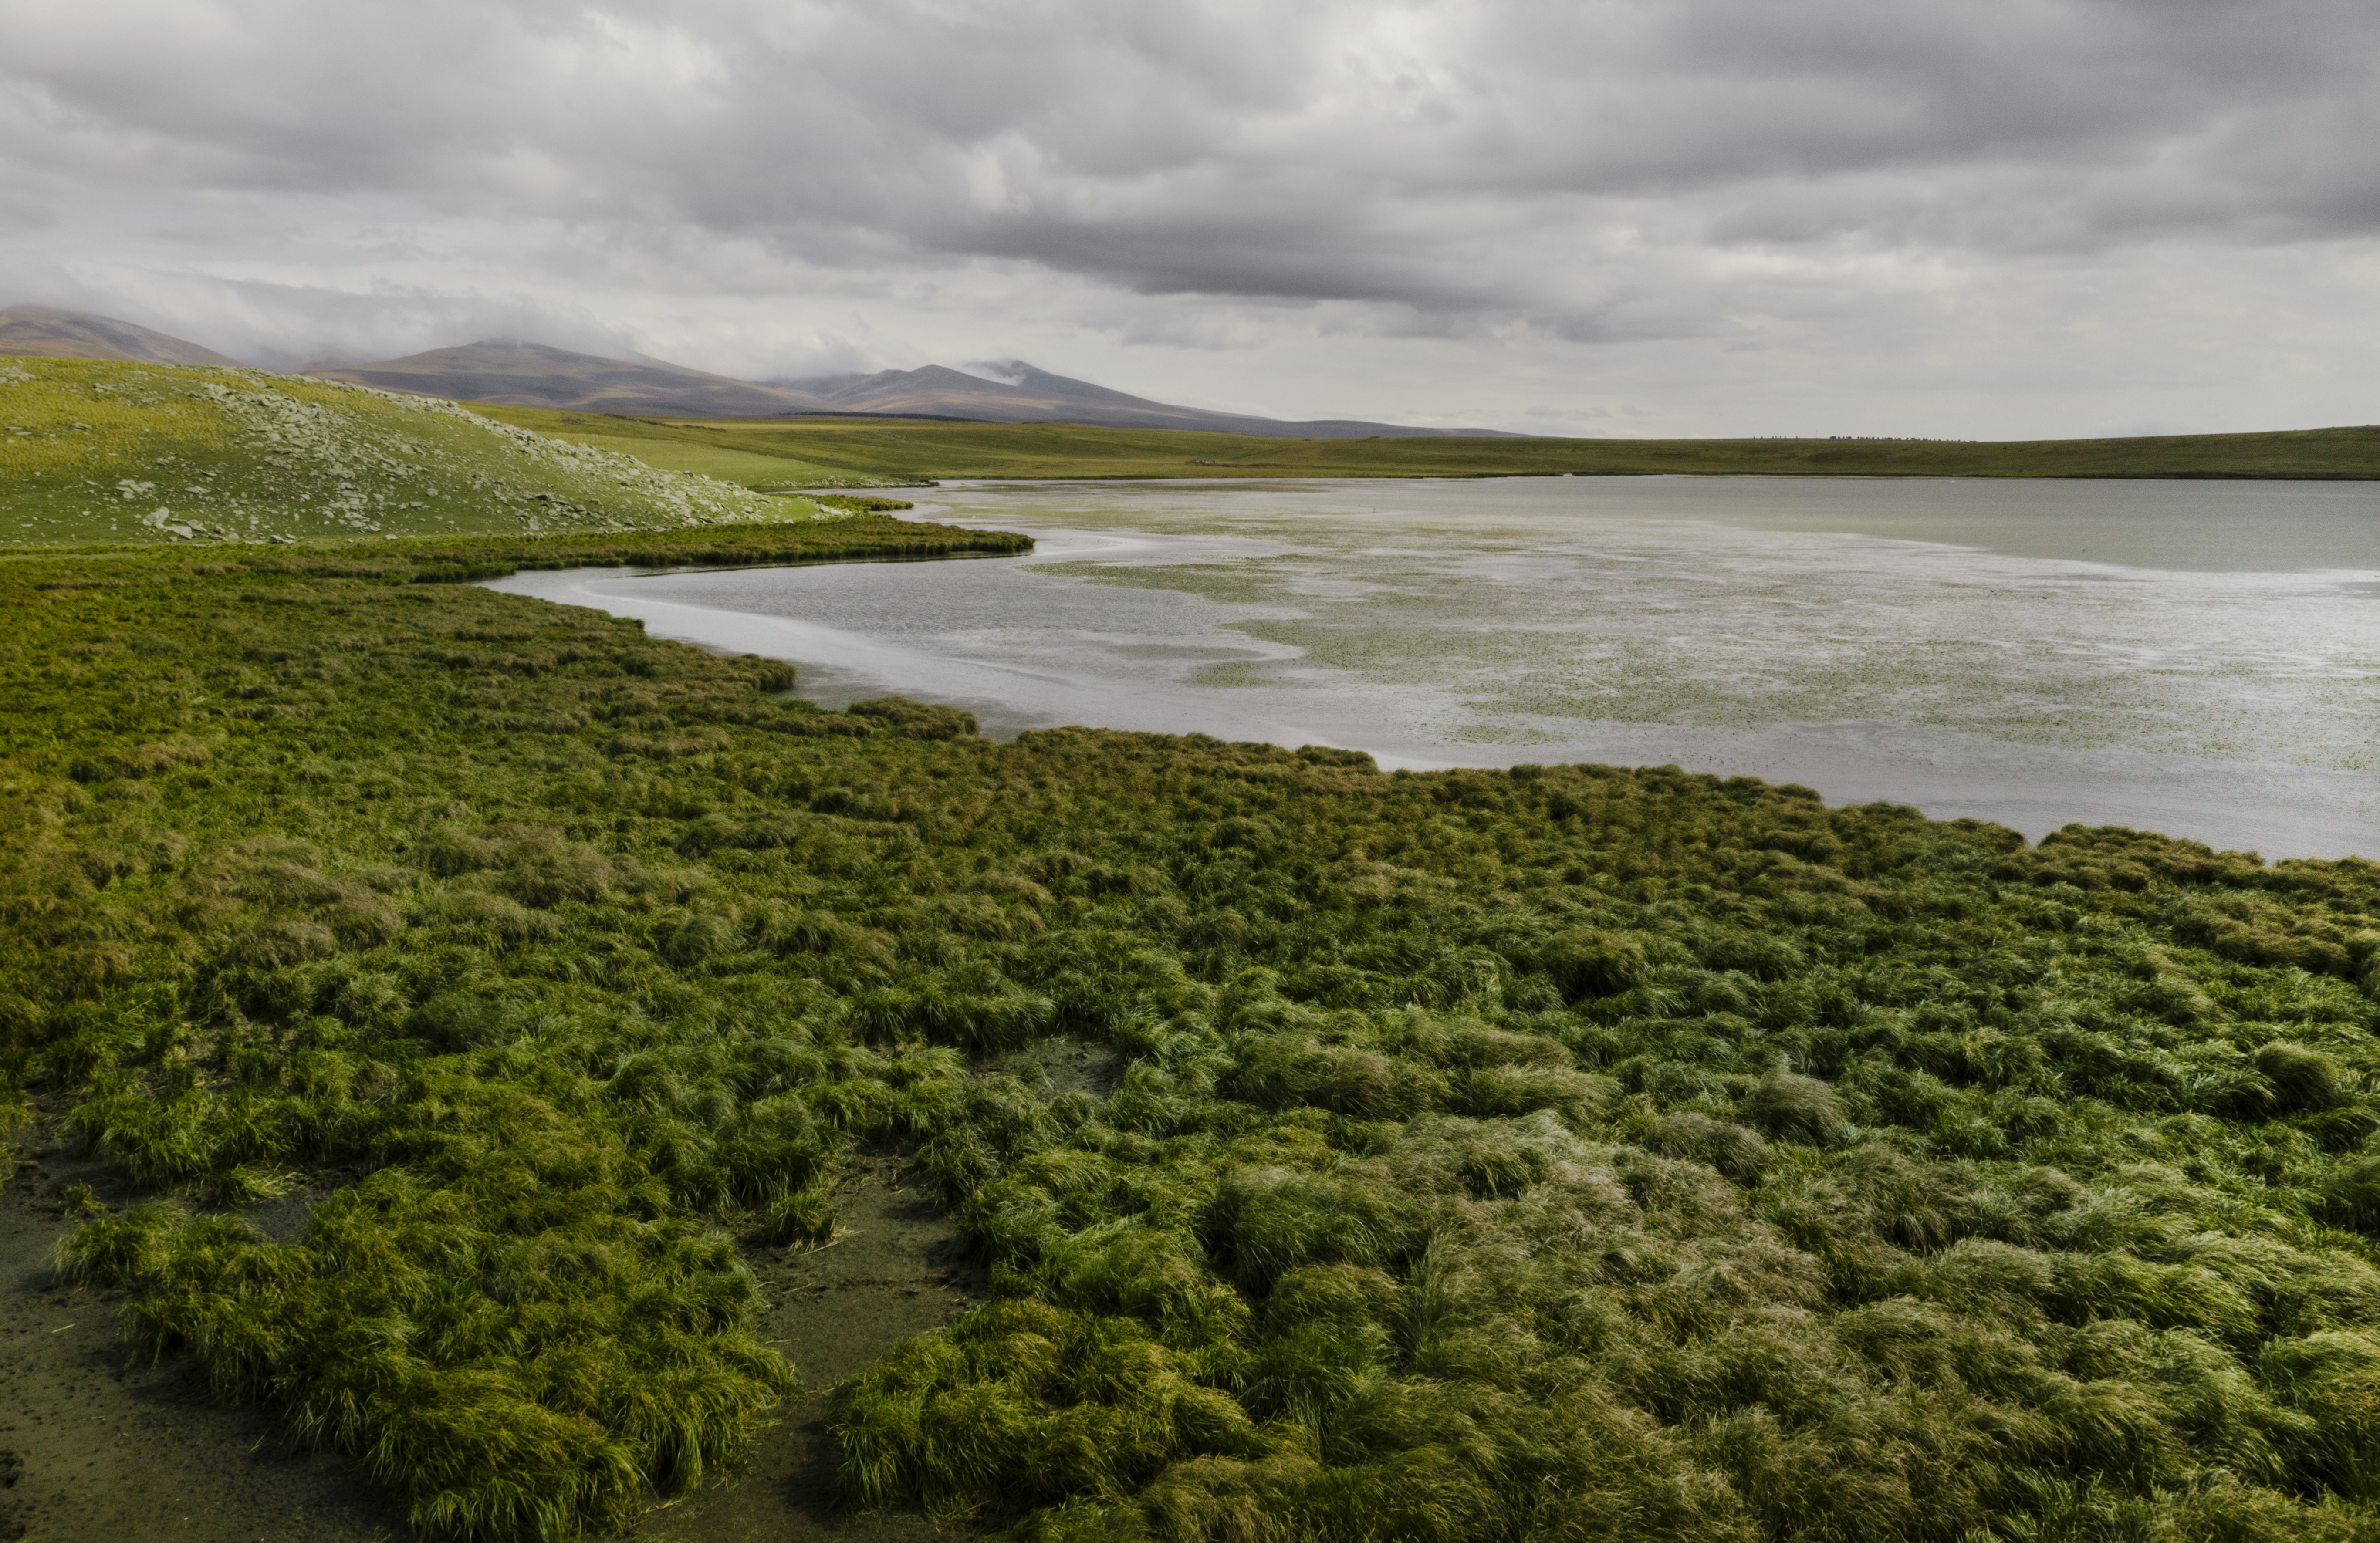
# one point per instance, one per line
(1691, 215)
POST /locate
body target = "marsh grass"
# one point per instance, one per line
(1565, 1153)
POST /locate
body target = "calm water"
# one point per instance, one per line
(2192, 657)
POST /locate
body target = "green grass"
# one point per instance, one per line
(728, 449)
(898, 451)
(1560, 1153)
(107, 451)
(704, 455)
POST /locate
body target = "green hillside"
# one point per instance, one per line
(727, 450)
(110, 451)
(843, 452)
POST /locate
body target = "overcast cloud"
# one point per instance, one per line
(1691, 217)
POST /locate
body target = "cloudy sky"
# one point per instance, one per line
(1938, 217)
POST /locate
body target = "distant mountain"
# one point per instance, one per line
(1018, 392)
(48, 332)
(532, 375)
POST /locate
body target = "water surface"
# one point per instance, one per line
(2192, 657)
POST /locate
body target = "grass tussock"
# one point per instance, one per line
(1565, 1153)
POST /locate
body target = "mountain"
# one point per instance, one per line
(44, 331)
(532, 375)
(1019, 392)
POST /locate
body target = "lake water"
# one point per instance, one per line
(2199, 658)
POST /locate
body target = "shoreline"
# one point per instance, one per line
(853, 637)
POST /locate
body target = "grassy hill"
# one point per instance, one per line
(724, 449)
(533, 375)
(828, 452)
(94, 451)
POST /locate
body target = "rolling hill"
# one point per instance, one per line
(517, 374)
(102, 450)
(44, 331)
(1016, 392)
(532, 375)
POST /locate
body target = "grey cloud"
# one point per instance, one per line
(1193, 176)
(1229, 150)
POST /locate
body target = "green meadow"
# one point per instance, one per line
(1560, 1153)
(684, 445)
(852, 452)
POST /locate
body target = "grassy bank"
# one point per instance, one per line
(1560, 1153)
(816, 452)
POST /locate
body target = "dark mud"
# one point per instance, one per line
(1064, 1066)
(895, 1268)
(93, 1447)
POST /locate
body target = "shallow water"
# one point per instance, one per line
(2192, 657)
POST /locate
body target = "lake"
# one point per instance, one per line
(2197, 658)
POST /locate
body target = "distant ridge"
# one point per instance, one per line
(520, 374)
(45, 332)
(532, 375)
(1016, 392)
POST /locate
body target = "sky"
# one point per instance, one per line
(2027, 218)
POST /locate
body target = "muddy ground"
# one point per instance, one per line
(101, 1449)
(895, 1268)
(96, 1449)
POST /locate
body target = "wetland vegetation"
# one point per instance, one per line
(1551, 1153)
(1565, 1152)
